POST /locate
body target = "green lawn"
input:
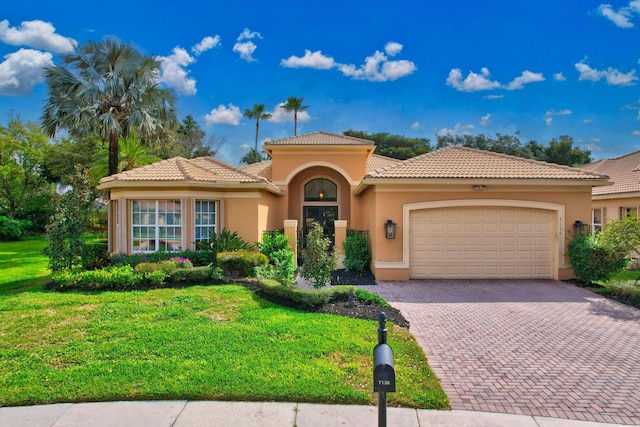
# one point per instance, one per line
(218, 342)
(22, 265)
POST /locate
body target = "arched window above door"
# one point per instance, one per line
(320, 190)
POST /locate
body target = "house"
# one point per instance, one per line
(621, 198)
(452, 213)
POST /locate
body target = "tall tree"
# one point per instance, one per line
(107, 88)
(562, 152)
(258, 114)
(252, 156)
(395, 146)
(294, 104)
(22, 149)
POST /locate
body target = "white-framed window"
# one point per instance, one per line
(156, 225)
(628, 210)
(205, 219)
(596, 220)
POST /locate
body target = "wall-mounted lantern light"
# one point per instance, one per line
(390, 229)
(579, 227)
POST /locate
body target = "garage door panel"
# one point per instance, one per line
(482, 242)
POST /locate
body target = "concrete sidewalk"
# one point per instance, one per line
(184, 413)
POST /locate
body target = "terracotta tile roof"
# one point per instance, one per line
(178, 169)
(624, 171)
(319, 138)
(376, 161)
(462, 162)
(262, 169)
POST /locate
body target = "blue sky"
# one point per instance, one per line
(416, 68)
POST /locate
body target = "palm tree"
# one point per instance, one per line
(294, 104)
(107, 88)
(258, 114)
(251, 156)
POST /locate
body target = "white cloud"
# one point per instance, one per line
(635, 133)
(173, 73)
(393, 48)
(247, 34)
(611, 75)
(244, 46)
(378, 68)
(559, 77)
(622, 17)
(493, 96)
(280, 115)
(22, 70)
(224, 116)
(245, 49)
(206, 44)
(526, 77)
(458, 129)
(416, 125)
(36, 34)
(549, 115)
(485, 120)
(587, 121)
(473, 82)
(309, 60)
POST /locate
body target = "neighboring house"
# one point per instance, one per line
(454, 213)
(621, 198)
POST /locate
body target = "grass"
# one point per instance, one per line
(221, 343)
(22, 266)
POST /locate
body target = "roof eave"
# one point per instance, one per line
(224, 185)
(370, 181)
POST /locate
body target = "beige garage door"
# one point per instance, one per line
(482, 242)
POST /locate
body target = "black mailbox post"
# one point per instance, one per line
(384, 371)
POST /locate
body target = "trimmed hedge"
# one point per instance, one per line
(241, 263)
(304, 297)
(94, 254)
(126, 278)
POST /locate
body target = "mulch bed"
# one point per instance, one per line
(360, 310)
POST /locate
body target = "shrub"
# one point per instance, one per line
(627, 291)
(112, 278)
(356, 252)
(319, 260)
(13, 229)
(282, 263)
(369, 298)
(196, 275)
(198, 258)
(304, 297)
(592, 261)
(226, 241)
(181, 262)
(94, 254)
(241, 263)
(155, 278)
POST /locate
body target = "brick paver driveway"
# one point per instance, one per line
(535, 347)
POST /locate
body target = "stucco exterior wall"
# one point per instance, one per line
(249, 213)
(388, 203)
(612, 206)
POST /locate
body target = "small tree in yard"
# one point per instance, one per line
(319, 260)
(68, 223)
(599, 257)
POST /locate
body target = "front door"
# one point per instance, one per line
(325, 215)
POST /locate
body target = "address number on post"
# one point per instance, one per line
(384, 382)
